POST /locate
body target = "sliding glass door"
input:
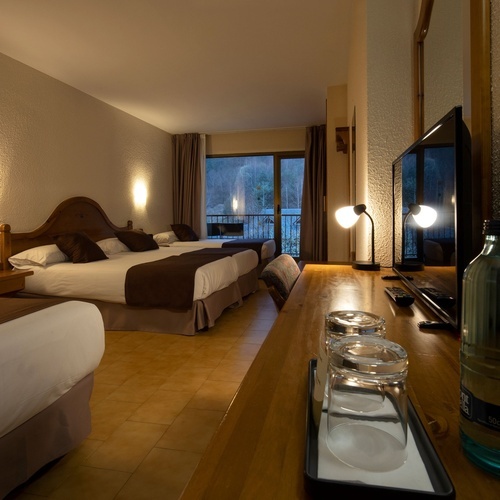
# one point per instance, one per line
(257, 196)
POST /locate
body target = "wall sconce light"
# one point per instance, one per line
(347, 217)
(140, 194)
(424, 216)
(235, 204)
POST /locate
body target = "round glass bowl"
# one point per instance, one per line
(340, 324)
(367, 420)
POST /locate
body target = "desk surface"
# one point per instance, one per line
(259, 449)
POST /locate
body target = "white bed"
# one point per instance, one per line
(267, 252)
(104, 280)
(218, 285)
(265, 247)
(46, 377)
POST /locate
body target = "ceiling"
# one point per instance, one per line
(189, 65)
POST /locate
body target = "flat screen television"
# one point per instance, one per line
(436, 171)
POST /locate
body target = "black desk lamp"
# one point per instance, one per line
(424, 216)
(347, 217)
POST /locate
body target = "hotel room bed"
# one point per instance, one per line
(265, 248)
(104, 279)
(268, 247)
(219, 283)
(50, 350)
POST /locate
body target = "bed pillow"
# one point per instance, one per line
(111, 246)
(166, 238)
(80, 248)
(137, 240)
(184, 232)
(38, 256)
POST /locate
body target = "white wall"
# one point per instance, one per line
(443, 61)
(57, 142)
(380, 87)
(337, 175)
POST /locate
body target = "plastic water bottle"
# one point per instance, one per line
(480, 355)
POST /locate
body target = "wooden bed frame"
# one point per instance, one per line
(74, 214)
(83, 214)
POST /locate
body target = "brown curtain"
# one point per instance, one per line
(313, 218)
(187, 180)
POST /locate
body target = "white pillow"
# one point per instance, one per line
(164, 239)
(112, 245)
(38, 256)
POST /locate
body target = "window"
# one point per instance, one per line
(258, 196)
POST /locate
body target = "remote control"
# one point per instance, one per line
(440, 298)
(400, 296)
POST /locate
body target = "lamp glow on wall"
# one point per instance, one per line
(347, 217)
(140, 194)
(425, 217)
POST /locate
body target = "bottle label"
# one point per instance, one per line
(476, 410)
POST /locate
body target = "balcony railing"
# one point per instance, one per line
(262, 226)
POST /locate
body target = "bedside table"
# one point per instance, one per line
(12, 281)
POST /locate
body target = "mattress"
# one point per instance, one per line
(268, 248)
(104, 280)
(44, 354)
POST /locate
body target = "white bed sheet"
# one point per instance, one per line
(44, 354)
(267, 252)
(105, 279)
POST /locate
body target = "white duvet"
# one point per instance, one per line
(44, 354)
(105, 279)
(268, 247)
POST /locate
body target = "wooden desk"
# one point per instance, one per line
(258, 451)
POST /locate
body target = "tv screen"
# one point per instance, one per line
(435, 172)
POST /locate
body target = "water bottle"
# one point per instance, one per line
(480, 355)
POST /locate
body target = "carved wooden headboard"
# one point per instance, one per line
(72, 215)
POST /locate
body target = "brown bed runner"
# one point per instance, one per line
(12, 308)
(169, 282)
(251, 244)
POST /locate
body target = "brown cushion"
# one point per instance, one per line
(79, 248)
(137, 240)
(184, 232)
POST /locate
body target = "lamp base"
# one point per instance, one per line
(366, 265)
(410, 266)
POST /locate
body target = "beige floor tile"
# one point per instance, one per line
(120, 371)
(214, 395)
(108, 415)
(59, 471)
(192, 430)
(162, 476)
(138, 388)
(115, 336)
(189, 378)
(231, 370)
(254, 336)
(101, 390)
(126, 447)
(163, 365)
(162, 407)
(242, 351)
(90, 483)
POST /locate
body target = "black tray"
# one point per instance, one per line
(319, 487)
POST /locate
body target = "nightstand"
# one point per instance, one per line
(12, 281)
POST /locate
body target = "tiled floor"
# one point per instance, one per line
(156, 403)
